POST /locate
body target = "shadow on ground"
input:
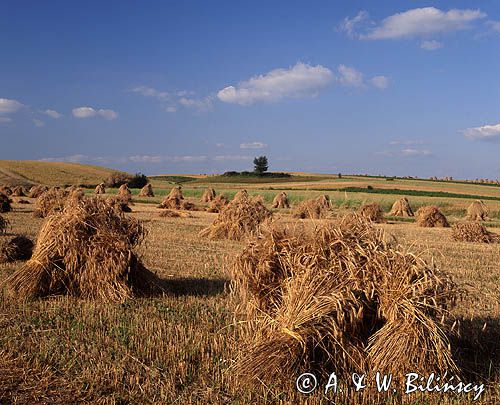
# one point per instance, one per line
(478, 348)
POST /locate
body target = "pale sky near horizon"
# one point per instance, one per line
(388, 87)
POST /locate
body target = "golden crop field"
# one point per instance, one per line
(181, 347)
(25, 172)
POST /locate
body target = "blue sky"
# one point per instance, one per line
(388, 87)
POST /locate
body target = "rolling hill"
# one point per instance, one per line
(28, 172)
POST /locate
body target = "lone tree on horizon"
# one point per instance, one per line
(260, 165)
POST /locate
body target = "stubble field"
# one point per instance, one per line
(180, 347)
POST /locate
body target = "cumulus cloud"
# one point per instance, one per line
(350, 76)
(38, 123)
(176, 99)
(84, 112)
(151, 92)
(484, 133)
(301, 80)
(421, 22)
(8, 106)
(417, 22)
(350, 25)
(380, 82)
(4, 120)
(53, 114)
(108, 114)
(200, 104)
(431, 45)
(87, 112)
(253, 145)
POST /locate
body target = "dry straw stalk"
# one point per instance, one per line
(240, 218)
(88, 251)
(339, 298)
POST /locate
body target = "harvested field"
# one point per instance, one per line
(182, 347)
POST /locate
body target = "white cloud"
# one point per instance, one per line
(301, 80)
(108, 114)
(8, 106)
(202, 104)
(145, 159)
(350, 76)
(407, 142)
(494, 25)
(422, 22)
(431, 45)
(380, 82)
(416, 22)
(38, 123)
(87, 112)
(84, 112)
(71, 159)
(151, 92)
(184, 93)
(4, 120)
(253, 145)
(164, 159)
(171, 109)
(415, 152)
(486, 132)
(349, 25)
(222, 158)
(53, 114)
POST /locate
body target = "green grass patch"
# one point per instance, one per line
(253, 179)
(173, 179)
(417, 193)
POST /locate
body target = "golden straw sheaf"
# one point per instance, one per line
(339, 297)
(86, 250)
(240, 218)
